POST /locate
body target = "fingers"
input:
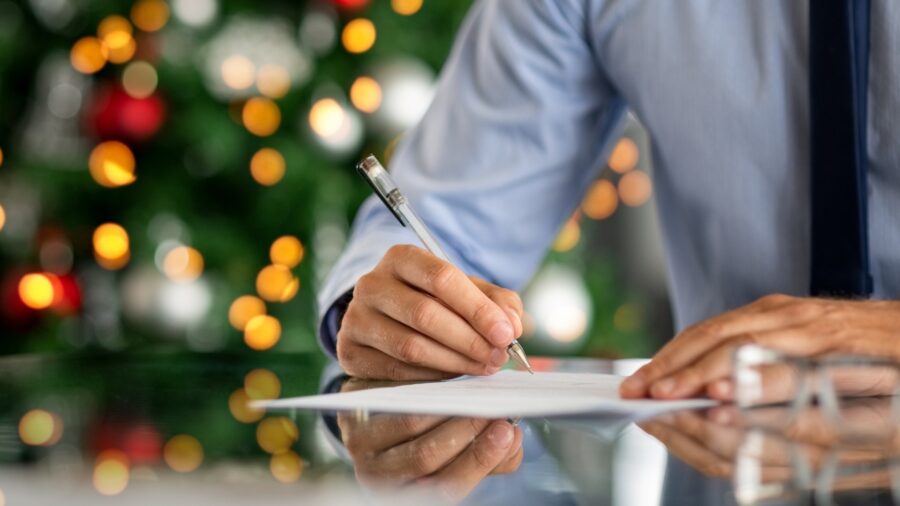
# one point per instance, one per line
(444, 328)
(365, 362)
(414, 348)
(508, 300)
(485, 454)
(766, 314)
(431, 451)
(449, 285)
(364, 438)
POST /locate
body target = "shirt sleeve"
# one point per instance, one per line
(521, 122)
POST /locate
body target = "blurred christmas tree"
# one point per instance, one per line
(172, 167)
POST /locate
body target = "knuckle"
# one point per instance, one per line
(425, 457)
(774, 299)
(424, 313)
(412, 350)
(440, 277)
(482, 310)
(398, 251)
(485, 458)
(476, 348)
(396, 372)
(365, 286)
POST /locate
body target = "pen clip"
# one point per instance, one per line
(377, 191)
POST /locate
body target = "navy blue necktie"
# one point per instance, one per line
(838, 82)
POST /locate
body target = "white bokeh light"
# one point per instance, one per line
(195, 13)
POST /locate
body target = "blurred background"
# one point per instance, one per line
(179, 174)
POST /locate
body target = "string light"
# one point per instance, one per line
(267, 167)
(39, 427)
(37, 291)
(261, 116)
(601, 200)
(183, 453)
(273, 81)
(111, 246)
(112, 164)
(244, 309)
(326, 117)
(239, 405)
(287, 250)
(275, 283)
(238, 72)
(262, 332)
(150, 15)
(276, 434)
(88, 55)
(111, 473)
(2, 218)
(139, 79)
(262, 384)
(183, 263)
(286, 467)
(358, 35)
(406, 7)
(635, 188)
(365, 93)
(624, 156)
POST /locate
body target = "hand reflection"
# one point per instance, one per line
(712, 442)
(445, 455)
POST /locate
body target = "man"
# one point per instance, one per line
(756, 198)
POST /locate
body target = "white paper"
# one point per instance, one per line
(505, 394)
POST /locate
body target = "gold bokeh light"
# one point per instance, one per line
(326, 117)
(406, 7)
(183, 453)
(359, 35)
(287, 250)
(261, 116)
(286, 466)
(244, 309)
(273, 80)
(568, 237)
(262, 384)
(239, 405)
(88, 55)
(2, 218)
(37, 291)
(150, 15)
(111, 472)
(115, 33)
(262, 332)
(276, 434)
(267, 166)
(624, 156)
(276, 283)
(139, 79)
(238, 72)
(365, 93)
(601, 200)
(183, 263)
(635, 188)
(39, 427)
(112, 164)
(111, 246)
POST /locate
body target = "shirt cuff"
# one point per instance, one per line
(331, 322)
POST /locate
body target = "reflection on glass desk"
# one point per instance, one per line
(156, 428)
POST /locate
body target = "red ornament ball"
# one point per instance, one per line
(115, 114)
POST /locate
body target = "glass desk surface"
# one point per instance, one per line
(157, 428)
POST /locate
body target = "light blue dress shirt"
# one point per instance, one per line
(532, 99)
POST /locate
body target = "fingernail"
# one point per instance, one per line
(498, 357)
(491, 369)
(501, 333)
(501, 435)
(663, 387)
(515, 320)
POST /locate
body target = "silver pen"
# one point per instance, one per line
(378, 178)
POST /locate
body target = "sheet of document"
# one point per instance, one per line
(505, 394)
